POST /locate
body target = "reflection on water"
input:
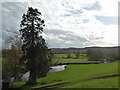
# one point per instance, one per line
(57, 68)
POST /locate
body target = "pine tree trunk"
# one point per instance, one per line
(32, 77)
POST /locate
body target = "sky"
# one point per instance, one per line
(68, 23)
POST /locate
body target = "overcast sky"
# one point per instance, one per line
(69, 23)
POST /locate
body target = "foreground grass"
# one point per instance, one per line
(79, 76)
(100, 83)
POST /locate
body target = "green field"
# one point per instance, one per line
(62, 58)
(79, 76)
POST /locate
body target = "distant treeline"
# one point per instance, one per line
(103, 54)
(83, 50)
(68, 50)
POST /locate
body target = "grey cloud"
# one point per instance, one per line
(67, 36)
(63, 37)
(11, 17)
(55, 31)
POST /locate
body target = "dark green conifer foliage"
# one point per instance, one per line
(35, 50)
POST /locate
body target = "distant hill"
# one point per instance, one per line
(82, 50)
(68, 50)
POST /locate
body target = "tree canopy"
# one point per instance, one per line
(35, 50)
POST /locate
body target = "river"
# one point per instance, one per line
(53, 69)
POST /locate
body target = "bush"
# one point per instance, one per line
(11, 66)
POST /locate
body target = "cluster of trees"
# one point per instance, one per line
(11, 66)
(76, 54)
(102, 55)
(10, 59)
(31, 54)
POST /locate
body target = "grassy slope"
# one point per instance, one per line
(78, 75)
(100, 83)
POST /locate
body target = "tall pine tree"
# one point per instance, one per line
(34, 46)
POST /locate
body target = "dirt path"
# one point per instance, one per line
(108, 76)
(52, 86)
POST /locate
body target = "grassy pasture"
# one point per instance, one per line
(79, 76)
(62, 58)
